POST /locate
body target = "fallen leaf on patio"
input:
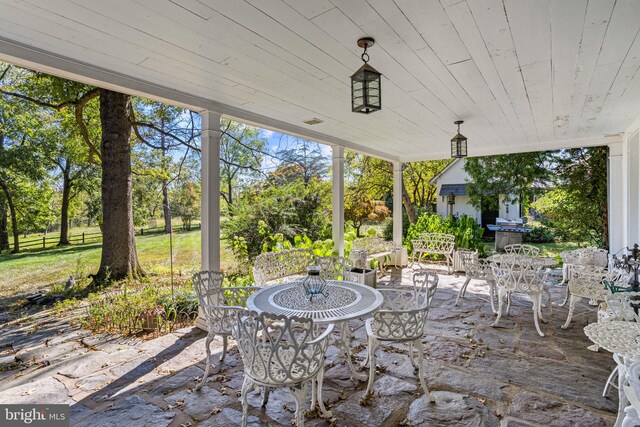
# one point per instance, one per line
(215, 411)
(481, 400)
(27, 392)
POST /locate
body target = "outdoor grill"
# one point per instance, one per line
(508, 232)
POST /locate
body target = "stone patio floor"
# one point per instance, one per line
(479, 375)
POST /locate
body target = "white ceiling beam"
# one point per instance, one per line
(40, 60)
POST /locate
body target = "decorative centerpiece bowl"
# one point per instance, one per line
(314, 285)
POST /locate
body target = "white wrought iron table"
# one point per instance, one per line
(623, 339)
(546, 262)
(345, 301)
(617, 337)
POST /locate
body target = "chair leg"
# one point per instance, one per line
(265, 396)
(508, 303)
(536, 310)
(246, 386)
(411, 358)
(423, 382)
(566, 296)
(224, 347)
(610, 380)
(299, 394)
(492, 294)
(539, 296)
(207, 344)
(463, 289)
(319, 380)
(373, 344)
(572, 306)
(501, 296)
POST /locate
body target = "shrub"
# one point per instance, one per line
(467, 231)
(538, 234)
(126, 312)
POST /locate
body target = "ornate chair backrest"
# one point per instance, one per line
(404, 312)
(518, 273)
(619, 306)
(275, 349)
(521, 249)
(276, 265)
(592, 256)
(220, 304)
(207, 285)
(470, 262)
(438, 242)
(333, 267)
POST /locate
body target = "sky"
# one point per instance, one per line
(277, 140)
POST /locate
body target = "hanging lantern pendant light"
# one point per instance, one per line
(458, 143)
(366, 92)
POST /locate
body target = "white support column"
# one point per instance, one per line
(397, 203)
(337, 197)
(617, 195)
(210, 197)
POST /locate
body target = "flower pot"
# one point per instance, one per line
(363, 276)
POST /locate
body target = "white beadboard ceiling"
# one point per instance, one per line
(524, 75)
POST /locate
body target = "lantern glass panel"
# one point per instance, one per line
(365, 90)
(458, 146)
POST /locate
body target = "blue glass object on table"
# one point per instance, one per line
(314, 285)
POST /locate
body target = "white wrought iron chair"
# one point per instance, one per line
(581, 257)
(334, 267)
(280, 351)
(587, 281)
(401, 319)
(478, 269)
(220, 306)
(522, 249)
(519, 274)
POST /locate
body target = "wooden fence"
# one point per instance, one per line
(45, 241)
(86, 238)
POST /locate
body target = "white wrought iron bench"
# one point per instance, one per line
(434, 244)
(274, 266)
(365, 249)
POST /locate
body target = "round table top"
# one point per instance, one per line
(616, 336)
(345, 301)
(544, 261)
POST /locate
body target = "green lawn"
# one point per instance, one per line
(36, 269)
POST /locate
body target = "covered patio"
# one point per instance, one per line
(478, 374)
(523, 75)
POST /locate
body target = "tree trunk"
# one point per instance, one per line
(119, 258)
(64, 211)
(165, 207)
(14, 218)
(4, 228)
(408, 206)
(406, 200)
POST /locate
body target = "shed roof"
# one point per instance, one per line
(456, 189)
